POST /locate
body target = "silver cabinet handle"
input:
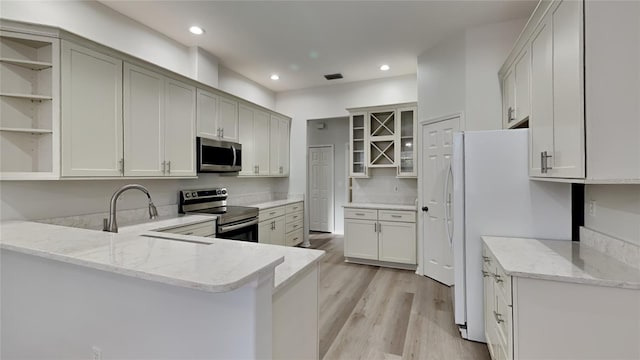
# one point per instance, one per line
(486, 259)
(168, 167)
(222, 130)
(189, 233)
(485, 274)
(510, 113)
(396, 216)
(375, 227)
(379, 227)
(542, 162)
(498, 317)
(497, 278)
(360, 214)
(546, 162)
(121, 164)
(281, 169)
(164, 167)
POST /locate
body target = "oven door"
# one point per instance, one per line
(242, 231)
(218, 156)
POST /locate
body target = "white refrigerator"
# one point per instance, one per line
(492, 195)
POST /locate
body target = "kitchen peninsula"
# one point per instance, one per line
(133, 294)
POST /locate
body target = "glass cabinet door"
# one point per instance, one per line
(358, 165)
(407, 119)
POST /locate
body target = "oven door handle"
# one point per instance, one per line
(234, 155)
(224, 229)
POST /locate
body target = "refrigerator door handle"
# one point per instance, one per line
(447, 205)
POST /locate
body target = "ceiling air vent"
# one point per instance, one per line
(333, 76)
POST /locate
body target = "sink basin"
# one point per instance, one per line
(174, 238)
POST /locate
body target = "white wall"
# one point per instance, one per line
(236, 84)
(486, 49)
(384, 187)
(460, 74)
(331, 101)
(336, 133)
(441, 79)
(617, 211)
(204, 66)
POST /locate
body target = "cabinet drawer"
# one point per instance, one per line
(266, 214)
(364, 214)
(294, 226)
(294, 217)
(294, 238)
(503, 283)
(397, 215)
(295, 207)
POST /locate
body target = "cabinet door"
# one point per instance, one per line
(261, 148)
(143, 122)
(274, 146)
(277, 235)
(264, 231)
(397, 242)
(228, 119)
(180, 129)
(541, 121)
(246, 135)
(91, 85)
(357, 153)
(382, 138)
(284, 140)
(568, 94)
(360, 239)
(207, 114)
(406, 138)
(522, 85)
(508, 98)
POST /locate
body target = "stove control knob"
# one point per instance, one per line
(218, 192)
(224, 191)
(194, 194)
(187, 195)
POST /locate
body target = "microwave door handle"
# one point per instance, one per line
(234, 155)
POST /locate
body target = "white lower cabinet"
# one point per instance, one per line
(282, 225)
(531, 318)
(387, 236)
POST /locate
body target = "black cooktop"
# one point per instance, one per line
(229, 214)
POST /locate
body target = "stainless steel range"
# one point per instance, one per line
(233, 222)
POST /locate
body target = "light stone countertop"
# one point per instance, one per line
(566, 261)
(381, 206)
(275, 203)
(207, 264)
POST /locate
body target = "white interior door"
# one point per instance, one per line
(321, 188)
(435, 182)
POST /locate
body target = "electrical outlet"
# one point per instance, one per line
(96, 353)
(395, 188)
(592, 208)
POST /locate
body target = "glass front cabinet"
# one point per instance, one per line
(383, 137)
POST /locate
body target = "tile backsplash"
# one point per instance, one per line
(621, 250)
(383, 187)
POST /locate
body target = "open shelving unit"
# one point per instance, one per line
(29, 106)
(382, 145)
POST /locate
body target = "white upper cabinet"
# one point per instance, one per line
(159, 125)
(245, 122)
(261, 142)
(584, 117)
(144, 94)
(383, 137)
(217, 116)
(180, 129)
(228, 119)
(91, 113)
(208, 105)
(278, 146)
(522, 79)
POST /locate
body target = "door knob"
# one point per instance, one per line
(425, 208)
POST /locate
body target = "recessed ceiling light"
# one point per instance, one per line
(275, 77)
(196, 30)
(384, 67)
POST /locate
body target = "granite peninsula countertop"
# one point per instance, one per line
(558, 260)
(275, 203)
(207, 264)
(381, 206)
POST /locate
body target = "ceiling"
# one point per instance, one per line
(303, 40)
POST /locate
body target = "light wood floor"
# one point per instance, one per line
(368, 312)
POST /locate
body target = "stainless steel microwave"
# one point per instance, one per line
(218, 156)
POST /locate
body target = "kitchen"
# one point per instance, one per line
(455, 73)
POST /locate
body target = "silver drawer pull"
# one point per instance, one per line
(396, 216)
(360, 214)
(486, 259)
(272, 213)
(485, 273)
(189, 233)
(497, 278)
(295, 226)
(498, 317)
(295, 238)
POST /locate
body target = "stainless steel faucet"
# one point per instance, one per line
(111, 225)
